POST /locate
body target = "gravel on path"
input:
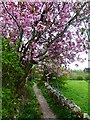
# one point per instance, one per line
(44, 107)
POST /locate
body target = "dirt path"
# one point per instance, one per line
(45, 109)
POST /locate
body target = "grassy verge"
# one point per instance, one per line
(30, 110)
(61, 113)
(78, 92)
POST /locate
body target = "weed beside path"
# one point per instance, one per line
(30, 110)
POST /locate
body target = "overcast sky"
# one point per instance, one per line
(80, 66)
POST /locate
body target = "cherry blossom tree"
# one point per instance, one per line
(48, 33)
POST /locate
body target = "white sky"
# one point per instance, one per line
(80, 66)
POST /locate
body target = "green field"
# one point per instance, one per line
(78, 92)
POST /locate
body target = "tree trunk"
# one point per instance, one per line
(24, 79)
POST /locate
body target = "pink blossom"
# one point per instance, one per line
(54, 36)
(11, 44)
(36, 59)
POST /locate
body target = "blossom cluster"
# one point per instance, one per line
(54, 32)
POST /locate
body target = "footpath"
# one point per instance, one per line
(44, 107)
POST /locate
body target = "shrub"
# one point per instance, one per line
(87, 77)
(11, 77)
(10, 106)
(79, 78)
(54, 80)
(18, 102)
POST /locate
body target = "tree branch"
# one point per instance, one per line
(19, 27)
(11, 15)
(62, 33)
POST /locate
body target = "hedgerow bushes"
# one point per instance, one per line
(16, 102)
(11, 77)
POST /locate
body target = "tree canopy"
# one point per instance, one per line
(47, 33)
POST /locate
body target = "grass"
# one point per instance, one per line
(61, 113)
(30, 110)
(78, 92)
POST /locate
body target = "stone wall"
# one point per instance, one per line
(66, 103)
